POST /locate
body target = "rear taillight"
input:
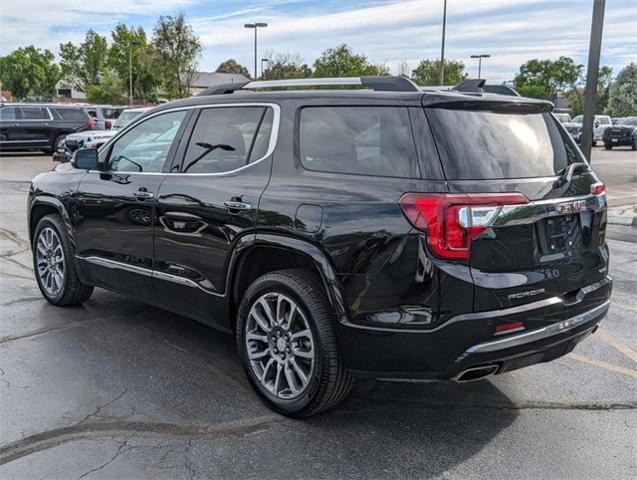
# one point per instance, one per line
(452, 221)
(107, 125)
(90, 123)
(598, 188)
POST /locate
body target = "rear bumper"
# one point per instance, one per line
(553, 330)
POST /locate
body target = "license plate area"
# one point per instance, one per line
(560, 234)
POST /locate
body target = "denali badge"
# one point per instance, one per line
(528, 293)
(571, 207)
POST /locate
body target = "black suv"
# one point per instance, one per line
(339, 233)
(43, 127)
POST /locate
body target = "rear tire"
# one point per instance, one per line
(608, 146)
(634, 145)
(54, 265)
(287, 344)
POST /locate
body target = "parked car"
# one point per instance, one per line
(339, 234)
(600, 123)
(621, 134)
(103, 116)
(563, 117)
(94, 138)
(29, 126)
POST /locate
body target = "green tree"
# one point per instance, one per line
(604, 81)
(551, 76)
(342, 62)
(29, 71)
(110, 89)
(130, 45)
(623, 92)
(177, 50)
(232, 66)
(428, 72)
(284, 66)
(83, 65)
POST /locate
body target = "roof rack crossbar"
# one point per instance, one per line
(386, 84)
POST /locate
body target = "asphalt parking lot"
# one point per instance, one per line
(118, 389)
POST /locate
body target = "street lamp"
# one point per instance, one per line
(480, 57)
(264, 60)
(256, 26)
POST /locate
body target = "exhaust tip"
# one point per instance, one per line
(476, 373)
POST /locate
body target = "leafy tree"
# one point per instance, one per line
(130, 44)
(551, 76)
(341, 62)
(285, 65)
(29, 71)
(83, 65)
(177, 50)
(428, 72)
(109, 90)
(623, 92)
(604, 81)
(533, 91)
(232, 66)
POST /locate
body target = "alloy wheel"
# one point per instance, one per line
(50, 261)
(280, 345)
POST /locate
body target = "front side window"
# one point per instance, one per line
(7, 113)
(227, 138)
(145, 147)
(358, 140)
(34, 113)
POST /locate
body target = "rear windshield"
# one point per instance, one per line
(358, 140)
(477, 145)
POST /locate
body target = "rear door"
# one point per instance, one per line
(209, 203)
(34, 126)
(547, 242)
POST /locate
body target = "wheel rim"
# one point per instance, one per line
(50, 261)
(280, 345)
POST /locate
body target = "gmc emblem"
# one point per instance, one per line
(571, 207)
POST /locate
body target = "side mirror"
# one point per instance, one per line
(85, 159)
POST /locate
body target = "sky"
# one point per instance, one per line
(386, 31)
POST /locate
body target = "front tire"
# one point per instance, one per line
(54, 266)
(287, 344)
(608, 146)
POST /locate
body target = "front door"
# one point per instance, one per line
(115, 206)
(210, 206)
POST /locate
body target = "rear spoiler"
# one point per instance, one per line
(478, 85)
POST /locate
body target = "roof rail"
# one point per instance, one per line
(381, 84)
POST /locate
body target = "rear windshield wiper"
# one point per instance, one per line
(566, 174)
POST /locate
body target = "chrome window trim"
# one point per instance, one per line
(33, 119)
(274, 135)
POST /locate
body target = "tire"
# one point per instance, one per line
(634, 145)
(57, 143)
(51, 243)
(608, 146)
(274, 374)
(594, 143)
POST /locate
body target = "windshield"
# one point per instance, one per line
(578, 119)
(627, 121)
(489, 145)
(125, 118)
(563, 117)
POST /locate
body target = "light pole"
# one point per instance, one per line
(256, 26)
(264, 60)
(480, 57)
(442, 53)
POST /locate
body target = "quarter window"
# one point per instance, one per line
(227, 138)
(71, 114)
(358, 140)
(145, 147)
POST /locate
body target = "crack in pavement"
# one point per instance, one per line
(99, 408)
(81, 431)
(119, 450)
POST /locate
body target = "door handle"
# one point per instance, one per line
(237, 206)
(142, 195)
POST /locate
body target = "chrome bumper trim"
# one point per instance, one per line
(538, 334)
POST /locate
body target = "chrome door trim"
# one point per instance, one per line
(274, 135)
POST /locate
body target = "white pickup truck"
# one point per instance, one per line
(600, 123)
(94, 138)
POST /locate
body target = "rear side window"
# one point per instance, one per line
(476, 145)
(34, 113)
(7, 113)
(358, 140)
(227, 138)
(71, 114)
